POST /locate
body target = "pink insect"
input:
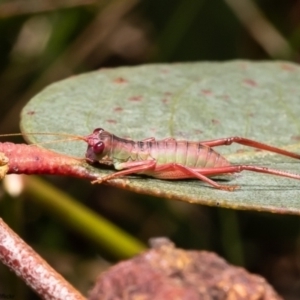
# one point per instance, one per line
(173, 159)
(166, 159)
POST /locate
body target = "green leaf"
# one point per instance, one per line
(190, 101)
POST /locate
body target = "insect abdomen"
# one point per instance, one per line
(189, 154)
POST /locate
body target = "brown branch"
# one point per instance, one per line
(261, 29)
(34, 270)
(96, 35)
(15, 8)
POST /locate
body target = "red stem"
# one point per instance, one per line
(30, 159)
(35, 271)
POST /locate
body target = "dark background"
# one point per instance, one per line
(45, 41)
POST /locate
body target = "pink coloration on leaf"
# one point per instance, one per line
(120, 80)
(118, 109)
(207, 92)
(288, 67)
(250, 82)
(135, 98)
(111, 121)
(296, 137)
(165, 71)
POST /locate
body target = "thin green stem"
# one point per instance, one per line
(82, 219)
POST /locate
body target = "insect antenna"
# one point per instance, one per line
(56, 141)
(71, 136)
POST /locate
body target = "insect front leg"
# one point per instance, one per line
(129, 168)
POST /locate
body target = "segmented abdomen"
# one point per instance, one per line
(190, 154)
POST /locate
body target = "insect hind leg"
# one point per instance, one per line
(197, 173)
(250, 143)
(202, 173)
(240, 168)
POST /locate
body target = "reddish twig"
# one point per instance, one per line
(35, 271)
(30, 159)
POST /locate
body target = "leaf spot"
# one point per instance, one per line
(111, 121)
(207, 92)
(215, 121)
(250, 82)
(165, 71)
(120, 80)
(288, 68)
(135, 98)
(118, 109)
(295, 137)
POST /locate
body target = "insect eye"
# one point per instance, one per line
(97, 130)
(98, 148)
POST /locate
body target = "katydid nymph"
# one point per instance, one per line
(173, 159)
(170, 159)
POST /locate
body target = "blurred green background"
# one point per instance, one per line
(45, 41)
